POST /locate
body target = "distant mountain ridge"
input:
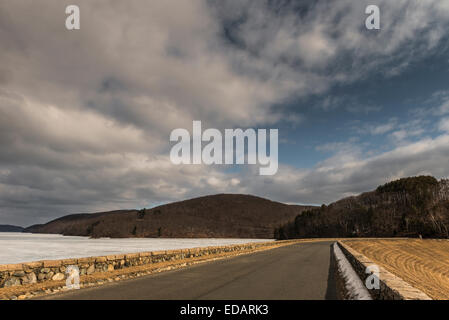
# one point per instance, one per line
(10, 228)
(407, 207)
(216, 216)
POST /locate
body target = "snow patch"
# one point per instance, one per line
(355, 287)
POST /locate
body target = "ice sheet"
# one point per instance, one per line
(24, 247)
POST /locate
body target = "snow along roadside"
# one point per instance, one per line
(355, 287)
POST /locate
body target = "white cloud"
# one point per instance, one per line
(444, 125)
(444, 108)
(349, 173)
(399, 135)
(383, 128)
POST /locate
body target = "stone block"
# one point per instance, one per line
(91, 269)
(131, 256)
(33, 265)
(69, 262)
(100, 259)
(14, 267)
(86, 260)
(52, 263)
(12, 282)
(30, 278)
(145, 254)
(58, 277)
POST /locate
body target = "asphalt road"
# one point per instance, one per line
(295, 272)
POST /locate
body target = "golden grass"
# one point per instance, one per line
(422, 263)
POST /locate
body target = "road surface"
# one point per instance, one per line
(299, 271)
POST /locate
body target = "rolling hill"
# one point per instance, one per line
(217, 216)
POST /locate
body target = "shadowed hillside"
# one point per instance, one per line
(218, 216)
(9, 228)
(406, 207)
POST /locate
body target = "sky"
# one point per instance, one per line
(86, 115)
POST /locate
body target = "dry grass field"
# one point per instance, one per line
(422, 263)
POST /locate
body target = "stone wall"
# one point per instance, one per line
(55, 270)
(391, 286)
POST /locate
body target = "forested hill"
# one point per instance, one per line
(407, 207)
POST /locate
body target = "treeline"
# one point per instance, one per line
(409, 207)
